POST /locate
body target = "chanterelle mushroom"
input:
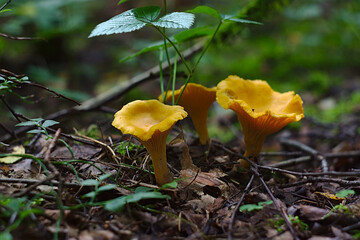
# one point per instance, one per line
(150, 121)
(261, 110)
(196, 100)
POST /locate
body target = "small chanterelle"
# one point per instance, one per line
(150, 121)
(261, 110)
(196, 100)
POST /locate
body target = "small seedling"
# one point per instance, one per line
(96, 184)
(252, 207)
(141, 193)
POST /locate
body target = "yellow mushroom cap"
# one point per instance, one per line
(142, 118)
(196, 100)
(260, 110)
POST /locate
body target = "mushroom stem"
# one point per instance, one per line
(199, 120)
(156, 147)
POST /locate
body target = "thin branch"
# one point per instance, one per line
(19, 38)
(233, 215)
(9, 108)
(283, 214)
(341, 182)
(318, 156)
(5, 4)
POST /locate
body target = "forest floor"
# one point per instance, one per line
(306, 187)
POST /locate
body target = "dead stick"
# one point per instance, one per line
(341, 182)
(318, 156)
(233, 215)
(283, 214)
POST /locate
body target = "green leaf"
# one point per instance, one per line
(240, 20)
(193, 33)
(5, 10)
(105, 176)
(6, 236)
(345, 193)
(252, 207)
(124, 22)
(49, 123)
(147, 14)
(90, 182)
(172, 184)
(122, 1)
(176, 20)
(107, 187)
(143, 189)
(27, 123)
(34, 131)
(90, 195)
(206, 10)
(118, 204)
(265, 203)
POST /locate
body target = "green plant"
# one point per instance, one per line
(125, 147)
(279, 223)
(252, 207)
(42, 126)
(96, 183)
(138, 18)
(141, 193)
(345, 193)
(338, 208)
(13, 211)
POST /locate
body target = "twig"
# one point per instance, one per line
(45, 88)
(19, 38)
(5, 4)
(233, 215)
(333, 173)
(341, 182)
(54, 173)
(292, 162)
(114, 93)
(318, 156)
(113, 155)
(283, 214)
(9, 107)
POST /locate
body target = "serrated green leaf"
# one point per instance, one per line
(147, 14)
(176, 20)
(206, 10)
(193, 33)
(90, 182)
(107, 187)
(49, 123)
(124, 22)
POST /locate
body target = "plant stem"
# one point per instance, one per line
(176, 49)
(174, 80)
(198, 61)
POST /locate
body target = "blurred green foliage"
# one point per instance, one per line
(308, 46)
